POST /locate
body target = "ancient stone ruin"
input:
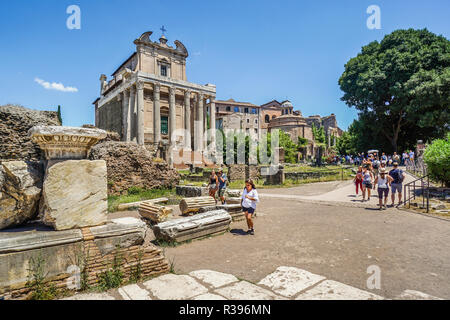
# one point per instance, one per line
(74, 190)
(15, 122)
(73, 232)
(131, 165)
(20, 191)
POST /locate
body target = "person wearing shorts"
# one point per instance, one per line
(396, 185)
(248, 203)
(367, 177)
(213, 185)
(382, 181)
(222, 185)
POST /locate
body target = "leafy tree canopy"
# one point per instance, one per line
(400, 86)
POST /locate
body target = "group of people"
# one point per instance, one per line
(369, 176)
(407, 158)
(218, 184)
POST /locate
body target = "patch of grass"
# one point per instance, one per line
(113, 277)
(165, 243)
(172, 266)
(136, 194)
(40, 290)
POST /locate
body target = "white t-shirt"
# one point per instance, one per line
(247, 203)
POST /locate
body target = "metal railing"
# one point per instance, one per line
(421, 185)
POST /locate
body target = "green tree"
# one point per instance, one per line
(437, 158)
(400, 86)
(290, 148)
(346, 144)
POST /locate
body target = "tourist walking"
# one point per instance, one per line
(358, 179)
(383, 181)
(248, 203)
(213, 184)
(222, 185)
(398, 176)
(367, 183)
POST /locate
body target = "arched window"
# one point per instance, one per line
(267, 118)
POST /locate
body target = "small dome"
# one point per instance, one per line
(286, 103)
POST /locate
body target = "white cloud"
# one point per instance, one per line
(55, 86)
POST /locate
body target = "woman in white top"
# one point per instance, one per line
(248, 203)
(383, 181)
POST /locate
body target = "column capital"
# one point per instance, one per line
(132, 89)
(140, 85)
(201, 95)
(156, 87)
(172, 90)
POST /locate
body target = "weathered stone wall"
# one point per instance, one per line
(252, 172)
(129, 164)
(92, 253)
(236, 172)
(110, 116)
(15, 121)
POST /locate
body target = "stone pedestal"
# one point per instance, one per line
(74, 193)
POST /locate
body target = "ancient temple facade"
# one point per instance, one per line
(149, 100)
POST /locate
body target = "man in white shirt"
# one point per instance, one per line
(248, 203)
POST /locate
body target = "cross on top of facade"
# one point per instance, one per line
(163, 30)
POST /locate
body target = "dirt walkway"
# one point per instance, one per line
(334, 240)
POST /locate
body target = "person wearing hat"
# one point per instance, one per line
(383, 181)
(398, 176)
(222, 185)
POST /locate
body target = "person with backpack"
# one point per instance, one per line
(222, 185)
(248, 203)
(396, 185)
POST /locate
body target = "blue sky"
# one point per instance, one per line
(252, 51)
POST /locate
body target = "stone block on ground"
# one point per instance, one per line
(188, 191)
(416, 295)
(233, 193)
(196, 226)
(244, 290)
(289, 281)
(175, 287)
(154, 212)
(90, 296)
(233, 200)
(208, 296)
(213, 278)
(134, 292)
(234, 209)
(131, 205)
(74, 194)
(193, 205)
(333, 290)
(20, 191)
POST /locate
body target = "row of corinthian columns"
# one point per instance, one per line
(133, 101)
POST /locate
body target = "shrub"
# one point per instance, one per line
(437, 158)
